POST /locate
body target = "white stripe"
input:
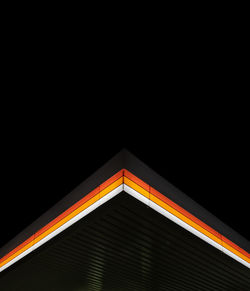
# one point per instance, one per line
(136, 194)
(67, 224)
(234, 256)
(183, 224)
(143, 199)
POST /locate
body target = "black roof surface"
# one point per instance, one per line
(124, 159)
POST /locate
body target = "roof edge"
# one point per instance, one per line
(126, 160)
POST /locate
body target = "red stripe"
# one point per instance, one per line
(111, 180)
(80, 202)
(233, 245)
(182, 211)
(136, 180)
(30, 239)
(68, 211)
(65, 213)
(142, 184)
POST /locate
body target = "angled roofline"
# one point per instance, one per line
(125, 172)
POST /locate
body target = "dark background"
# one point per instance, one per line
(42, 161)
(174, 98)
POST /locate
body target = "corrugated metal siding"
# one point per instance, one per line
(125, 245)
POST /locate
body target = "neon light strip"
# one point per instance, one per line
(67, 215)
(182, 214)
(183, 224)
(124, 180)
(76, 218)
(149, 192)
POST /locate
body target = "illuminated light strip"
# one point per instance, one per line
(65, 213)
(170, 209)
(104, 188)
(139, 185)
(233, 245)
(64, 226)
(141, 191)
(183, 224)
(41, 234)
(179, 215)
(93, 200)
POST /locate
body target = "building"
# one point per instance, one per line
(126, 228)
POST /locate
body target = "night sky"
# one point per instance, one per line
(178, 106)
(45, 155)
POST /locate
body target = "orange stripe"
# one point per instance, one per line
(184, 212)
(88, 203)
(227, 243)
(136, 187)
(111, 180)
(233, 245)
(19, 249)
(80, 202)
(196, 226)
(68, 211)
(143, 188)
(10, 258)
(102, 193)
(111, 187)
(136, 180)
(170, 209)
(95, 198)
(171, 203)
(233, 250)
(176, 213)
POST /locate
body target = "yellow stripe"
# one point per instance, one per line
(17, 253)
(144, 193)
(67, 218)
(79, 209)
(111, 187)
(237, 253)
(136, 187)
(182, 217)
(169, 209)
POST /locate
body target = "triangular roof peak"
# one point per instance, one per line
(126, 173)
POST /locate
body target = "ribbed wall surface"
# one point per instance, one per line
(125, 245)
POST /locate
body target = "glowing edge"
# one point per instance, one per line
(76, 218)
(181, 223)
(143, 199)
